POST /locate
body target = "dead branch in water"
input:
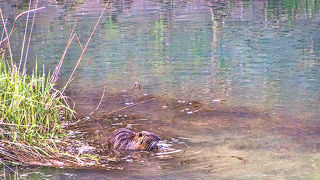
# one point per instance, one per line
(6, 31)
(232, 156)
(24, 37)
(104, 91)
(86, 46)
(79, 42)
(15, 21)
(29, 40)
(56, 72)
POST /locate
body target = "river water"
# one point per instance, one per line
(231, 87)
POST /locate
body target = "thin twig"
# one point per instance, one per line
(120, 109)
(24, 37)
(56, 72)
(9, 124)
(86, 46)
(79, 42)
(232, 156)
(2, 50)
(9, 46)
(7, 166)
(103, 93)
(3, 31)
(4, 152)
(15, 21)
(26, 57)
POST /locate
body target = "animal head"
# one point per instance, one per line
(127, 140)
(146, 140)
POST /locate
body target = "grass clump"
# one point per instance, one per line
(31, 109)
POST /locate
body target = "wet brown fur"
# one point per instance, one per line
(124, 139)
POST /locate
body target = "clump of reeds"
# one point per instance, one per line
(28, 113)
(32, 110)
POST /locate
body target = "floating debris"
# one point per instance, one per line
(169, 152)
(216, 100)
(86, 118)
(142, 119)
(184, 138)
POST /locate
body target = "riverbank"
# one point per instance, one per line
(33, 114)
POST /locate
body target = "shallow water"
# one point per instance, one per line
(260, 57)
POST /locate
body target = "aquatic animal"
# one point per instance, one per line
(125, 139)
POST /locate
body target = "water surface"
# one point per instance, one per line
(260, 57)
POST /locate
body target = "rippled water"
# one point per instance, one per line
(260, 57)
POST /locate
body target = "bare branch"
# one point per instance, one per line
(56, 72)
(24, 38)
(26, 57)
(15, 21)
(9, 46)
(86, 46)
(103, 93)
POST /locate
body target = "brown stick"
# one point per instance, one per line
(103, 93)
(79, 42)
(236, 157)
(3, 31)
(9, 46)
(85, 47)
(123, 108)
(56, 72)
(15, 21)
(24, 37)
(29, 40)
